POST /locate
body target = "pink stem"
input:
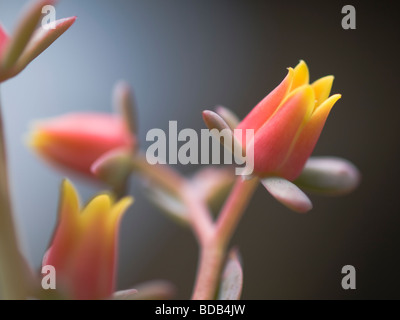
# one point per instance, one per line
(199, 216)
(163, 175)
(234, 207)
(208, 272)
(213, 238)
(213, 250)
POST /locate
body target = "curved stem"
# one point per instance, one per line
(15, 274)
(213, 251)
(164, 175)
(211, 260)
(213, 238)
(234, 207)
(199, 215)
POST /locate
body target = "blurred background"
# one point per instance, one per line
(185, 56)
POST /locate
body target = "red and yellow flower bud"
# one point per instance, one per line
(288, 122)
(84, 247)
(75, 141)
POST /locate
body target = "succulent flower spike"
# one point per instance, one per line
(287, 123)
(92, 143)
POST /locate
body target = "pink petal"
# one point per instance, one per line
(273, 140)
(307, 140)
(264, 109)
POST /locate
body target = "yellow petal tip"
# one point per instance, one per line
(301, 75)
(122, 205)
(327, 105)
(36, 139)
(67, 188)
(69, 200)
(322, 88)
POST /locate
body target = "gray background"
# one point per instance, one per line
(184, 56)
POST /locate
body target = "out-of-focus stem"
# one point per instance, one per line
(164, 175)
(213, 238)
(15, 274)
(213, 251)
(234, 207)
(172, 181)
(209, 269)
(199, 215)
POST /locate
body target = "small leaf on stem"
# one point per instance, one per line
(41, 40)
(129, 294)
(23, 32)
(232, 278)
(329, 176)
(288, 194)
(230, 118)
(124, 103)
(215, 121)
(154, 290)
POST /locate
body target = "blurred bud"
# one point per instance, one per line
(84, 247)
(329, 175)
(75, 141)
